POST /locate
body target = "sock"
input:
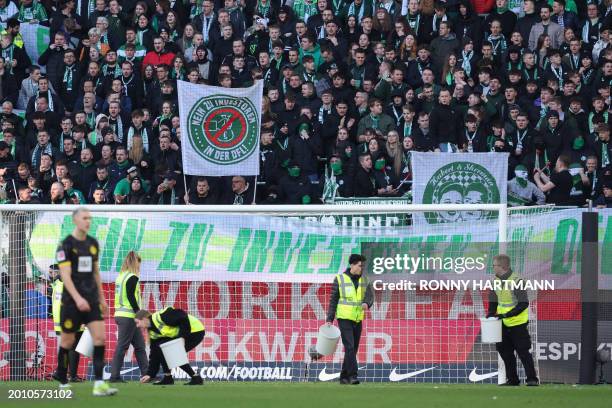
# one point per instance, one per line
(73, 363)
(62, 364)
(98, 362)
(187, 368)
(98, 382)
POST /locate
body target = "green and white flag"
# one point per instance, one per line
(458, 178)
(35, 39)
(220, 129)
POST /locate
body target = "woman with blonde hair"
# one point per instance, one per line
(127, 304)
(393, 150)
(138, 154)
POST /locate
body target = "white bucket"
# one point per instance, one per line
(174, 352)
(491, 330)
(85, 346)
(327, 340)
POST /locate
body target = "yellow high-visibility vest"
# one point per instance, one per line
(171, 331)
(123, 308)
(56, 303)
(506, 301)
(351, 299)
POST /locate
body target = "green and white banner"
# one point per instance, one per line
(220, 129)
(206, 247)
(458, 178)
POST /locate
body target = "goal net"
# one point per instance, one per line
(260, 280)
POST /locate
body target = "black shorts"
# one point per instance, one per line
(71, 318)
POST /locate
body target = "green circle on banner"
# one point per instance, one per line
(460, 183)
(221, 128)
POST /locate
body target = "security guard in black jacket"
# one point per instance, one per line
(512, 307)
(351, 297)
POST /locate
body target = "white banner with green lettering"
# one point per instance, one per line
(206, 247)
(220, 129)
(458, 178)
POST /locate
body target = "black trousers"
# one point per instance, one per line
(351, 334)
(156, 356)
(516, 338)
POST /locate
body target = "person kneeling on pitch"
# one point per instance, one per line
(163, 326)
(512, 307)
(351, 297)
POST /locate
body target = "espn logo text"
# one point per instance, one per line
(563, 351)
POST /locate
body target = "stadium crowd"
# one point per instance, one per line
(351, 89)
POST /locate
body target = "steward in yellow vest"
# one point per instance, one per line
(351, 297)
(127, 304)
(127, 295)
(511, 305)
(166, 325)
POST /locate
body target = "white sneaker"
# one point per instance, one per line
(103, 390)
(65, 386)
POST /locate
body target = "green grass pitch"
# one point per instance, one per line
(320, 395)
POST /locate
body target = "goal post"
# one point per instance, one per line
(260, 278)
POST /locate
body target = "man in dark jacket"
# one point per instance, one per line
(102, 182)
(506, 17)
(556, 136)
(53, 59)
(295, 188)
(421, 136)
(364, 184)
(444, 44)
(445, 124)
(201, 194)
(524, 24)
(165, 154)
(68, 88)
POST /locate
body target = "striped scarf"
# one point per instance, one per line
(39, 151)
(499, 44)
(143, 134)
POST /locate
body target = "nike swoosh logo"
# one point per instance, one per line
(107, 374)
(394, 376)
(474, 377)
(325, 376)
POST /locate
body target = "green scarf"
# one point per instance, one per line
(263, 9)
(68, 77)
(578, 143)
(501, 10)
(375, 121)
(336, 168)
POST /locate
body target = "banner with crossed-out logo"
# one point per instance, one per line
(458, 178)
(220, 129)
